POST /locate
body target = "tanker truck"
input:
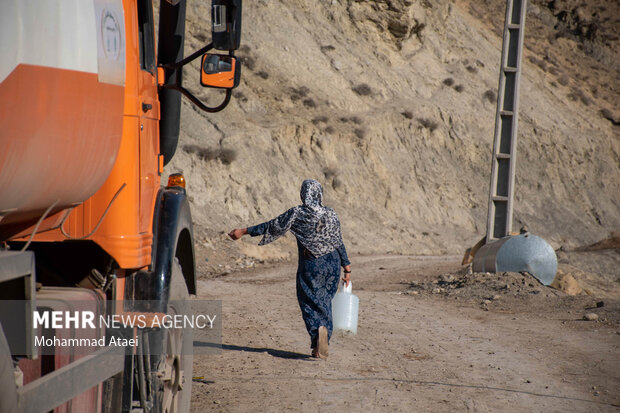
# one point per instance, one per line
(90, 103)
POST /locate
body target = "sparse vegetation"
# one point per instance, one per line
(362, 89)
(407, 114)
(538, 62)
(471, 69)
(459, 88)
(448, 81)
(329, 129)
(263, 74)
(352, 119)
(248, 61)
(360, 133)
(227, 156)
(490, 96)
(327, 48)
(320, 119)
(224, 155)
(428, 124)
(240, 96)
(309, 103)
(579, 95)
(201, 36)
(563, 80)
(299, 93)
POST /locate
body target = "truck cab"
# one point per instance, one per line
(89, 116)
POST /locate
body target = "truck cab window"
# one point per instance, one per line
(147, 44)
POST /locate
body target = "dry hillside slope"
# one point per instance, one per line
(391, 105)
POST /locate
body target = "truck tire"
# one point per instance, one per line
(174, 375)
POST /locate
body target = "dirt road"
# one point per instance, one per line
(427, 341)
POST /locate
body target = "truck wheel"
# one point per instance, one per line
(174, 376)
(8, 389)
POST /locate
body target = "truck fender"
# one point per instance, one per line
(173, 238)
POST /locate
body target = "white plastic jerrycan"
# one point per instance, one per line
(345, 307)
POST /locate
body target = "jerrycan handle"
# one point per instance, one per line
(347, 289)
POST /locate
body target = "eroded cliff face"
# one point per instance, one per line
(391, 105)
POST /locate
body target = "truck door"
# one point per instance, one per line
(149, 115)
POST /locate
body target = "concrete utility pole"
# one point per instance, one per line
(503, 252)
(501, 192)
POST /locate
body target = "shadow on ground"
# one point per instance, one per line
(272, 352)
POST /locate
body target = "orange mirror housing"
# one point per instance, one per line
(219, 71)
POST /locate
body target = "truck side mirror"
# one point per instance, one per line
(221, 71)
(226, 24)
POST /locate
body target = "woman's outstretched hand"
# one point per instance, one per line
(235, 234)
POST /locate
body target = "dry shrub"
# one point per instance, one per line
(327, 48)
(459, 88)
(538, 62)
(471, 69)
(360, 133)
(263, 74)
(362, 89)
(299, 93)
(201, 37)
(226, 156)
(320, 119)
(563, 80)
(329, 129)
(240, 96)
(309, 103)
(408, 114)
(448, 81)
(428, 124)
(490, 96)
(352, 119)
(205, 154)
(581, 96)
(594, 90)
(248, 61)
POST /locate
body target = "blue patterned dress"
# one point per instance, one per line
(317, 282)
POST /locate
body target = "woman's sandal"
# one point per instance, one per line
(322, 347)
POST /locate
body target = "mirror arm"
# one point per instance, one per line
(189, 58)
(178, 87)
(197, 102)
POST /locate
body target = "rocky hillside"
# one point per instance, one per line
(391, 105)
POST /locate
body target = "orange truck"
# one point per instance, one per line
(89, 115)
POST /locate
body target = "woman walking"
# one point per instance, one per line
(321, 254)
